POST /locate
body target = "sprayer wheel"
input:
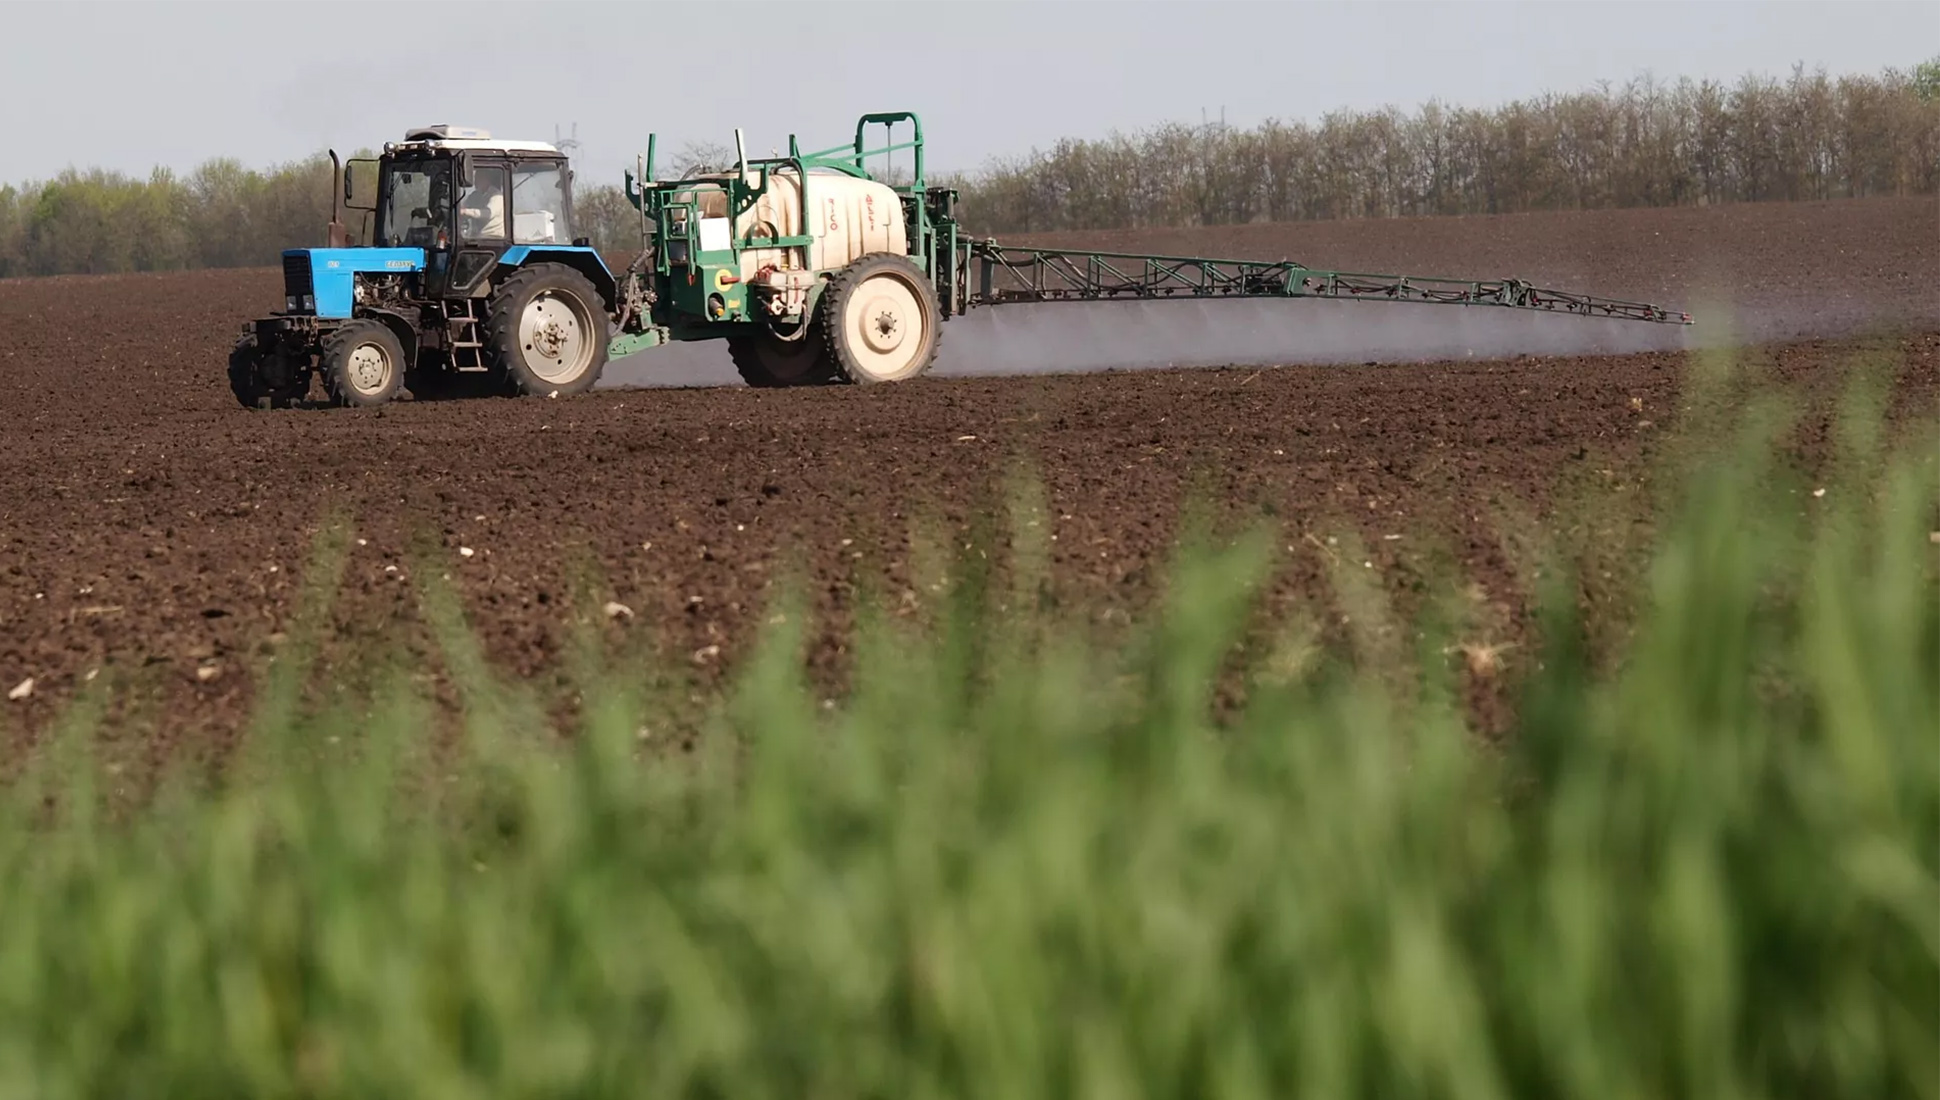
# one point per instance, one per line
(881, 320)
(767, 363)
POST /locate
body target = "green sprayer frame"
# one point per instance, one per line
(694, 294)
(1057, 275)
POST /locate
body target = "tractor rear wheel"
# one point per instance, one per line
(548, 330)
(363, 364)
(881, 320)
(767, 363)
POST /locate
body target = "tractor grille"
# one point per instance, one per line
(296, 276)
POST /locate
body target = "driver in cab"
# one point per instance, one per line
(483, 208)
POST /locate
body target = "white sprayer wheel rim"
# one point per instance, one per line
(885, 324)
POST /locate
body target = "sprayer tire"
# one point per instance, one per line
(881, 320)
(548, 331)
(767, 363)
(363, 364)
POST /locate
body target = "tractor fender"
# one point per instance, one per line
(401, 326)
(586, 261)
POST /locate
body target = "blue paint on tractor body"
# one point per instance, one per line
(332, 271)
(519, 254)
(584, 260)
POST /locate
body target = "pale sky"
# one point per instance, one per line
(134, 84)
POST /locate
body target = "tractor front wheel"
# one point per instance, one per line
(363, 364)
(548, 330)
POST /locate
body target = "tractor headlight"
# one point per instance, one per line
(310, 303)
(292, 303)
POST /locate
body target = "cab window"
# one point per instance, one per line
(482, 209)
(413, 209)
(539, 205)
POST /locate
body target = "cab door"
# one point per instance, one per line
(483, 216)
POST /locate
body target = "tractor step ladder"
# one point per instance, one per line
(463, 333)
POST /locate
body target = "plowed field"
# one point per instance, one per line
(153, 530)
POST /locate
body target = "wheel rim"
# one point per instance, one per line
(369, 369)
(555, 333)
(886, 326)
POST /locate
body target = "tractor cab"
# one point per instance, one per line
(465, 199)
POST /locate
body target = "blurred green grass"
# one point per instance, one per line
(1014, 863)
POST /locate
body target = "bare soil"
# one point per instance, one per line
(154, 532)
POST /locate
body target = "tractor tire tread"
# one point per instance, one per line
(336, 347)
(502, 335)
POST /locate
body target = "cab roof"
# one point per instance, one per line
(464, 138)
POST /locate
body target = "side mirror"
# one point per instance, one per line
(350, 190)
(465, 170)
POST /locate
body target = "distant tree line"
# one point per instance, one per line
(1647, 143)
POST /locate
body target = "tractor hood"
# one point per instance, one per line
(321, 280)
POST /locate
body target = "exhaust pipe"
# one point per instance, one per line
(337, 236)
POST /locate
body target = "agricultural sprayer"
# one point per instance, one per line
(810, 268)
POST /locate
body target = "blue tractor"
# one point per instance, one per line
(472, 281)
